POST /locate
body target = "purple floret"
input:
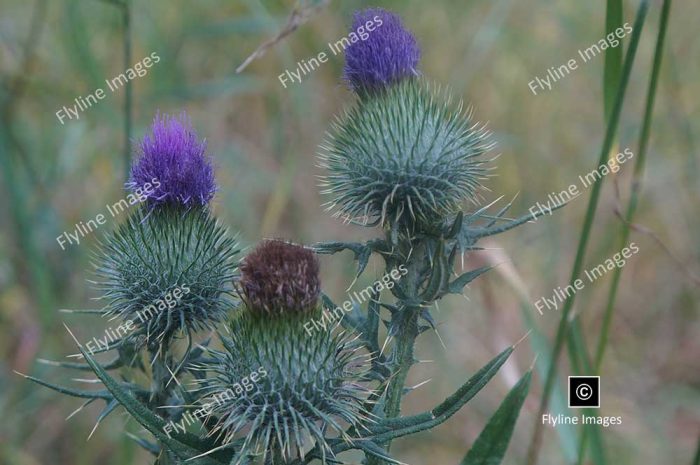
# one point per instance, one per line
(388, 55)
(173, 166)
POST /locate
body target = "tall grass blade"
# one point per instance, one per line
(634, 195)
(613, 57)
(578, 352)
(637, 178)
(562, 329)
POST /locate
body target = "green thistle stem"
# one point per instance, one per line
(407, 332)
(159, 383)
(403, 354)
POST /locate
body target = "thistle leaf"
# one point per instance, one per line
(185, 445)
(490, 447)
(458, 284)
(371, 448)
(362, 251)
(397, 427)
(80, 393)
(456, 226)
(439, 274)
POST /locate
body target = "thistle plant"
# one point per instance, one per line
(164, 275)
(235, 375)
(406, 159)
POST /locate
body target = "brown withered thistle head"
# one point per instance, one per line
(278, 277)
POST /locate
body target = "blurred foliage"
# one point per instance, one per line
(264, 139)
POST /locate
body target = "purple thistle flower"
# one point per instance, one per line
(173, 167)
(388, 54)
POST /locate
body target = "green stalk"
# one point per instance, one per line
(578, 353)
(636, 179)
(613, 57)
(634, 196)
(578, 350)
(126, 15)
(562, 330)
(402, 354)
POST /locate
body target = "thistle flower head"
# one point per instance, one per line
(168, 273)
(306, 389)
(405, 158)
(389, 53)
(172, 166)
(279, 277)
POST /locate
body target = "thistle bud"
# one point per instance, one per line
(166, 272)
(406, 158)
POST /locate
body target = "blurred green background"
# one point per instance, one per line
(264, 139)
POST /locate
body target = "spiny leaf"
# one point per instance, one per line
(80, 393)
(393, 428)
(439, 274)
(490, 447)
(185, 445)
(371, 448)
(362, 251)
(396, 427)
(458, 284)
(456, 226)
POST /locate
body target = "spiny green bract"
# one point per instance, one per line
(404, 157)
(313, 387)
(168, 272)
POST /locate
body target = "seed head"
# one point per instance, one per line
(279, 277)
